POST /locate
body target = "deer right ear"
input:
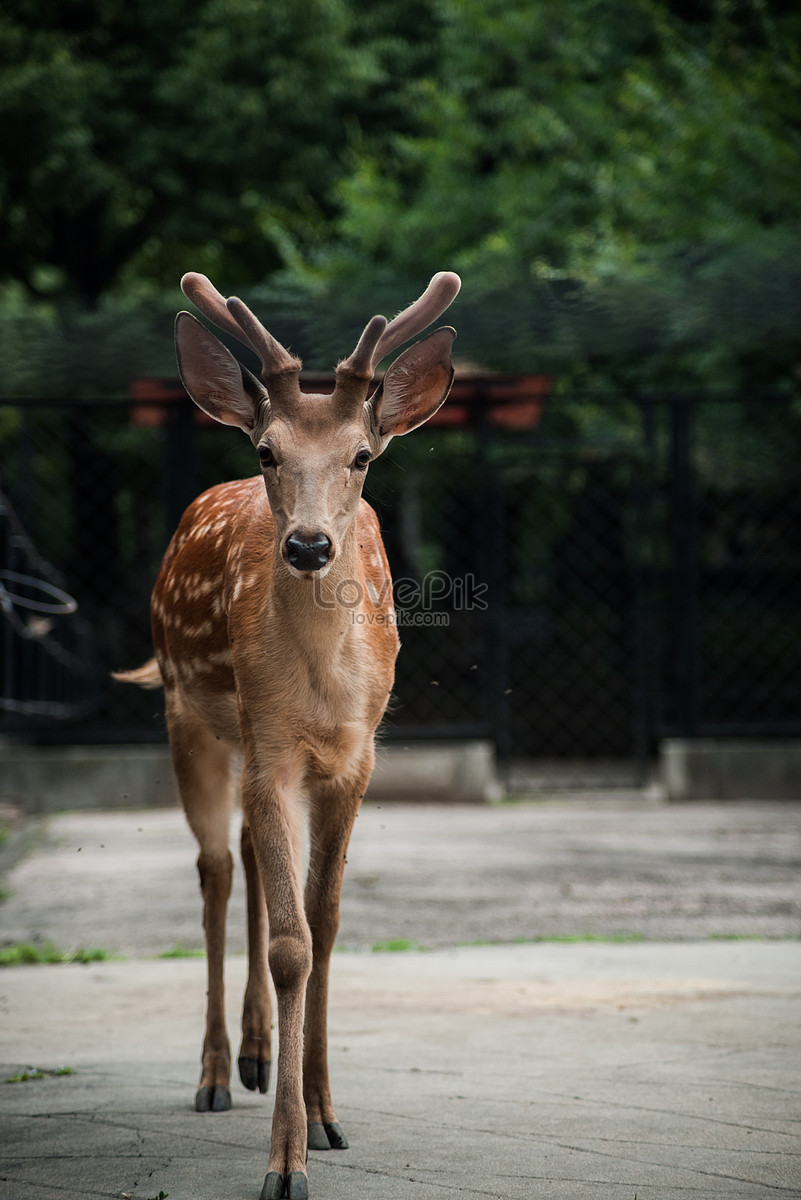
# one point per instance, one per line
(217, 383)
(414, 386)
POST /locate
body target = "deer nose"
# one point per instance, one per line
(308, 552)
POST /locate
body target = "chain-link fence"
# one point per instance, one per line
(575, 575)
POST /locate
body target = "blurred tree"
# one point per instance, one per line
(617, 180)
(137, 137)
(603, 173)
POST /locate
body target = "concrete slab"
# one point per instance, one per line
(436, 875)
(573, 1070)
(731, 769)
(46, 779)
(568, 1071)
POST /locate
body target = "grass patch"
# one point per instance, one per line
(401, 945)
(28, 954)
(39, 1073)
(92, 955)
(567, 939)
(396, 946)
(606, 938)
(752, 937)
(179, 951)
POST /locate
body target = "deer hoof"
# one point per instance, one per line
(326, 1135)
(294, 1187)
(297, 1186)
(317, 1138)
(254, 1073)
(336, 1137)
(212, 1099)
(273, 1186)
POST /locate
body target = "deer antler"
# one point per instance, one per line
(380, 338)
(234, 317)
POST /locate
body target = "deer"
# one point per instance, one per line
(275, 640)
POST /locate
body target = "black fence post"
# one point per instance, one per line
(492, 539)
(95, 522)
(685, 567)
(646, 626)
(180, 461)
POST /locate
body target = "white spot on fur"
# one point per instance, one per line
(219, 658)
(199, 631)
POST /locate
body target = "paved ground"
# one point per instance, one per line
(437, 876)
(666, 1068)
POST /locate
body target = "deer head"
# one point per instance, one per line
(314, 450)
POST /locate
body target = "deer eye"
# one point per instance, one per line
(266, 456)
(362, 460)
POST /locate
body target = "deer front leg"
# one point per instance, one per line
(272, 809)
(203, 771)
(214, 1094)
(255, 1054)
(333, 813)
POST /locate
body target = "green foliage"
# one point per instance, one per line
(140, 136)
(396, 946)
(54, 350)
(615, 939)
(611, 181)
(616, 180)
(181, 951)
(33, 1073)
(27, 954)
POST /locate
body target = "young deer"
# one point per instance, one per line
(274, 632)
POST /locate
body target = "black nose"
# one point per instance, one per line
(308, 553)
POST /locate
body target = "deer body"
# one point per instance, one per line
(219, 618)
(274, 635)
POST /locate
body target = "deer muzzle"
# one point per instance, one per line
(308, 551)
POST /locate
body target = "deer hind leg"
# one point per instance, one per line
(333, 813)
(255, 1053)
(203, 770)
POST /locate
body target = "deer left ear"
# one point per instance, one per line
(414, 386)
(222, 387)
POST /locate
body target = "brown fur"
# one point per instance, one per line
(290, 666)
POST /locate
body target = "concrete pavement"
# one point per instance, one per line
(653, 1068)
(437, 876)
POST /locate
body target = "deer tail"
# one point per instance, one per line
(146, 676)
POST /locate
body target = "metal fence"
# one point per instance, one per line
(576, 576)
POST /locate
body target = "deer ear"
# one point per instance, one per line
(414, 386)
(217, 383)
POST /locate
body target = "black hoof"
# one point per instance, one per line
(254, 1073)
(297, 1186)
(317, 1137)
(273, 1186)
(294, 1187)
(336, 1137)
(326, 1136)
(212, 1099)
